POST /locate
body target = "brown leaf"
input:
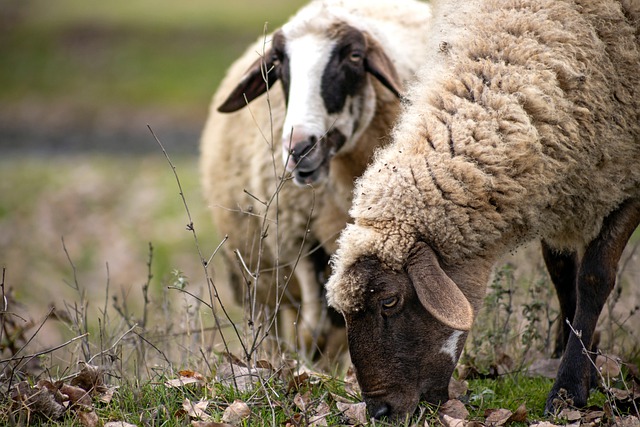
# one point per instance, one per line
(186, 377)
(570, 414)
(608, 366)
(265, 364)
(107, 395)
(77, 395)
(243, 378)
(208, 424)
(297, 381)
(593, 416)
(454, 409)
(497, 417)
(118, 424)
(448, 421)
(320, 415)
(36, 400)
(351, 385)
(302, 401)
(88, 418)
(90, 377)
(236, 412)
(197, 409)
(544, 424)
(457, 388)
(356, 413)
(627, 421)
(519, 416)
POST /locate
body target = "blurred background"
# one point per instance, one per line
(84, 187)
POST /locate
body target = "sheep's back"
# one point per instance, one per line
(526, 127)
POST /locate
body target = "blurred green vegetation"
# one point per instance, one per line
(126, 52)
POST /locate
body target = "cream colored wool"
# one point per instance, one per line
(242, 151)
(524, 126)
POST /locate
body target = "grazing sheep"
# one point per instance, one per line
(342, 65)
(524, 126)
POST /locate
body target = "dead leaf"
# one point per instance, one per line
(448, 421)
(297, 381)
(457, 388)
(570, 414)
(107, 395)
(36, 400)
(77, 396)
(544, 424)
(236, 412)
(186, 377)
(497, 417)
(351, 385)
(356, 413)
(88, 418)
(240, 377)
(208, 424)
(320, 415)
(519, 416)
(608, 366)
(302, 401)
(265, 364)
(593, 416)
(196, 410)
(118, 424)
(627, 421)
(90, 377)
(454, 409)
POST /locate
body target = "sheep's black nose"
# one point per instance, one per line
(381, 411)
(303, 148)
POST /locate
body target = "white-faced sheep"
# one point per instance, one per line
(524, 126)
(342, 66)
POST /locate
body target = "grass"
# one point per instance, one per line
(103, 238)
(135, 53)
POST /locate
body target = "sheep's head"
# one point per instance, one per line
(323, 65)
(406, 332)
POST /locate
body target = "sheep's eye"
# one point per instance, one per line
(388, 303)
(356, 56)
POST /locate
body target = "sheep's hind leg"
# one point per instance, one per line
(562, 268)
(596, 279)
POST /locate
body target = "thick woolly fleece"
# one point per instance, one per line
(525, 125)
(242, 151)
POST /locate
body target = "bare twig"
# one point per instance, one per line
(47, 351)
(114, 344)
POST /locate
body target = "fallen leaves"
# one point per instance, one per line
(51, 400)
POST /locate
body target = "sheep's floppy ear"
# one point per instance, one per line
(378, 64)
(439, 295)
(252, 85)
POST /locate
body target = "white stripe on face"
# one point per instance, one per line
(306, 113)
(450, 346)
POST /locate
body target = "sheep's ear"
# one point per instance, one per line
(255, 82)
(439, 295)
(378, 64)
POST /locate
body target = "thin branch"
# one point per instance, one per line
(43, 352)
(114, 344)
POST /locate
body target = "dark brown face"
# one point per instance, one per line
(400, 351)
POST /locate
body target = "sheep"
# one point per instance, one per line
(524, 126)
(343, 66)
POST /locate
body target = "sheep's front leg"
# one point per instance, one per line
(596, 279)
(311, 307)
(562, 268)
